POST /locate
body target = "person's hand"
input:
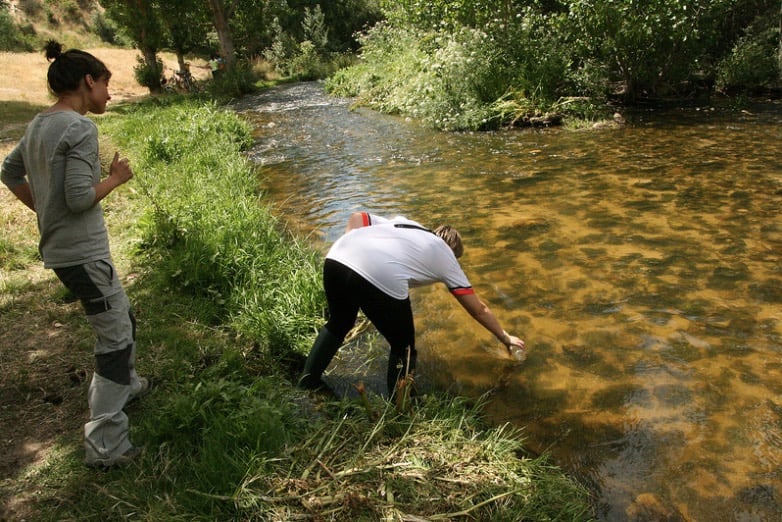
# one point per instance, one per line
(120, 169)
(516, 347)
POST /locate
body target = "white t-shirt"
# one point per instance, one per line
(396, 254)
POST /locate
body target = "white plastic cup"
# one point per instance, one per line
(518, 354)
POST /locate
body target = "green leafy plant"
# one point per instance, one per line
(12, 37)
(148, 75)
(752, 63)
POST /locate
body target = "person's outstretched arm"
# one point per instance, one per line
(481, 313)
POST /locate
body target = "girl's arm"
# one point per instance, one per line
(24, 194)
(481, 313)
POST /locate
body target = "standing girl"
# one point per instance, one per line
(55, 170)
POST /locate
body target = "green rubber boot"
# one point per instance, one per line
(323, 350)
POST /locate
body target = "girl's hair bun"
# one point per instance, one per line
(68, 69)
(53, 50)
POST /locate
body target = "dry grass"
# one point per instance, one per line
(24, 75)
(23, 90)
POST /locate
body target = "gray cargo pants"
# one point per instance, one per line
(115, 379)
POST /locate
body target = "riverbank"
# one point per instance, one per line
(227, 303)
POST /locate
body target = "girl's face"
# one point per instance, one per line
(97, 94)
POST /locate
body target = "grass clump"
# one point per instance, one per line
(437, 462)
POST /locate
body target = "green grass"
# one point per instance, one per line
(227, 299)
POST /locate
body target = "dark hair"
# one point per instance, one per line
(68, 68)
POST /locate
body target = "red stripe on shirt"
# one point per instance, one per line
(462, 291)
(365, 221)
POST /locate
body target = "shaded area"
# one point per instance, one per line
(14, 117)
(45, 365)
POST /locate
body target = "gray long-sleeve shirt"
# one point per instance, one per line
(58, 157)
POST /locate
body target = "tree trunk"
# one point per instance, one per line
(150, 58)
(220, 19)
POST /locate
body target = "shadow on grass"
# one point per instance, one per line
(46, 362)
(14, 116)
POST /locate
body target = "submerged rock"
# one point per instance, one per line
(647, 507)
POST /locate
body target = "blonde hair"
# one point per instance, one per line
(452, 238)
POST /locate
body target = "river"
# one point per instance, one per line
(642, 265)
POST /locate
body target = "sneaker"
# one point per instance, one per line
(146, 387)
(119, 462)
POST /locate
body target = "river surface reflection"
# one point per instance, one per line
(641, 264)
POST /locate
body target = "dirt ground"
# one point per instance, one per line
(45, 342)
(45, 361)
(23, 81)
(24, 74)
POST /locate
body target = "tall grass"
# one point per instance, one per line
(207, 230)
(223, 293)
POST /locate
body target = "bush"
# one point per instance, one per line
(12, 38)
(306, 64)
(753, 63)
(71, 10)
(305, 60)
(107, 29)
(148, 75)
(442, 78)
(452, 78)
(236, 82)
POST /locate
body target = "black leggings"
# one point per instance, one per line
(347, 292)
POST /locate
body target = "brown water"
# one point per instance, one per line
(642, 265)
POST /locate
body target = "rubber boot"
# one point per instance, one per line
(323, 350)
(398, 368)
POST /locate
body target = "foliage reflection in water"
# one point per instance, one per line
(641, 264)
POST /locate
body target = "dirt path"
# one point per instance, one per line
(24, 75)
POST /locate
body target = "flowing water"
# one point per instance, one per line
(641, 264)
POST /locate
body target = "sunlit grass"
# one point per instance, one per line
(435, 462)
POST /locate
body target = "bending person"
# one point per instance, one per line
(371, 268)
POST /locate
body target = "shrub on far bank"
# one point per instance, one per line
(753, 63)
(441, 78)
(240, 80)
(456, 78)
